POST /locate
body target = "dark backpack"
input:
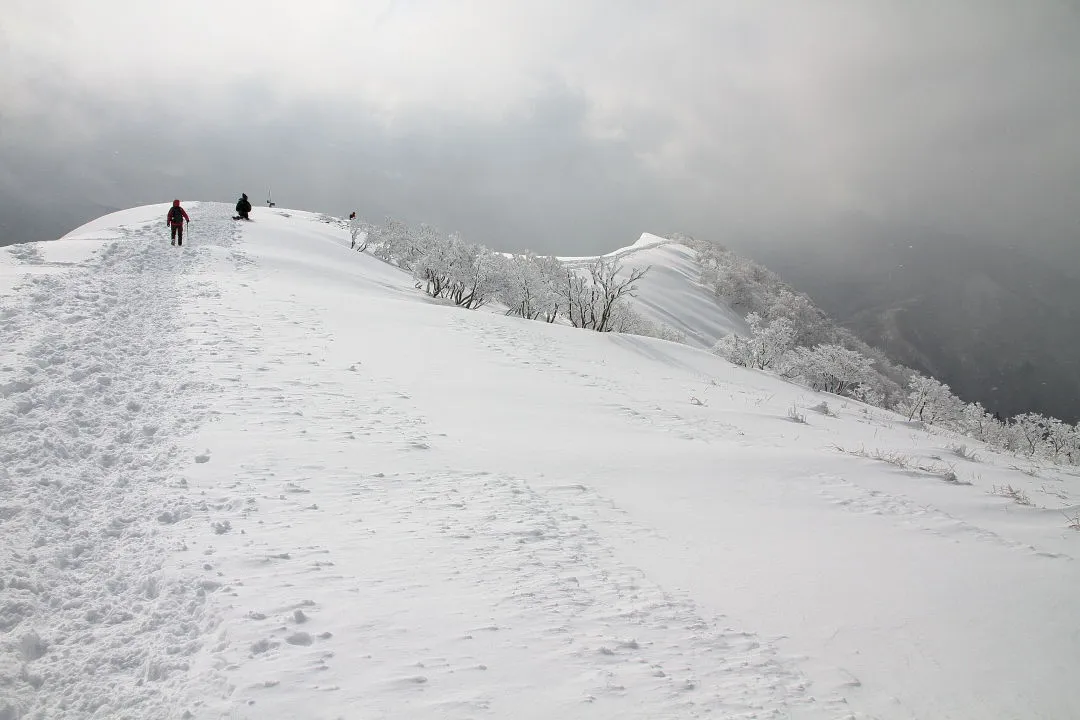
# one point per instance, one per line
(176, 215)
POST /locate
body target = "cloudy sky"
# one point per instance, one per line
(555, 125)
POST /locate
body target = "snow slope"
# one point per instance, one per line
(671, 292)
(262, 477)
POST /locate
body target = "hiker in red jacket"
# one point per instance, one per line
(175, 220)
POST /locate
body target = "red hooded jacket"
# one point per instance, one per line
(172, 218)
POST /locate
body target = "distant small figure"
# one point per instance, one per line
(243, 207)
(175, 219)
(354, 228)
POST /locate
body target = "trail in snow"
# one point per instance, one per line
(96, 389)
(262, 476)
(357, 569)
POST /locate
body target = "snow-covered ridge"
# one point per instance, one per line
(671, 293)
(262, 476)
(645, 242)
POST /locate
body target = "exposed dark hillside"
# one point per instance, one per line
(995, 324)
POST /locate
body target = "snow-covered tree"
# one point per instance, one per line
(448, 266)
(431, 268)
(976, 422)
(931, 401)
(397, 243)
(1072, 450)
(865, 392)
(831, 368)
(763, 348)
(589, 302)
(1059, 439)
(1030, 429)
(474, 273)
(529, 287)
(809, 325)
(551, 270)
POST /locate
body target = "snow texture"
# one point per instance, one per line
(262, 476)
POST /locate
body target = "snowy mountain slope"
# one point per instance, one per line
(262, 476)
(671, 292)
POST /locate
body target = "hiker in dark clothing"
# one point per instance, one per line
(175, 220)
(243, 207)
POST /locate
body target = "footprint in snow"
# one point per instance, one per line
(299, 638)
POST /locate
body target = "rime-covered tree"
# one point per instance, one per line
(1030, 429)
(765, 345)
(1059, 439)
(474, 273)
(977, 423)
(528, 288)
(831, 368)
(589, 302)
(397, 243)
(931, 401)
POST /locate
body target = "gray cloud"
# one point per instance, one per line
(533, 180)
(566, 128)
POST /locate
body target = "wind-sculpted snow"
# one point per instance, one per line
(264, 476)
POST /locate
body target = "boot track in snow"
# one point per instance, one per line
(96, 395)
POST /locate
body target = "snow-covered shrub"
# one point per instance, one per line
(1029, 431)
(976, 422)
(868, 394)
(831, 368)
(758, 292)
(1059, 440)
(395, 242)
(765, 346)
(932, 402)
(1072, 453)
(1017, 495)
(1073, 521)
(961, 450)
(754, 289)
(809, 325)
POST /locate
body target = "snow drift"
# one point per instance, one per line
(263, 476)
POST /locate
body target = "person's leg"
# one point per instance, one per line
(172, 233)
(179, 234)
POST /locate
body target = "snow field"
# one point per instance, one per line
(389, 582)
(360, 503)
